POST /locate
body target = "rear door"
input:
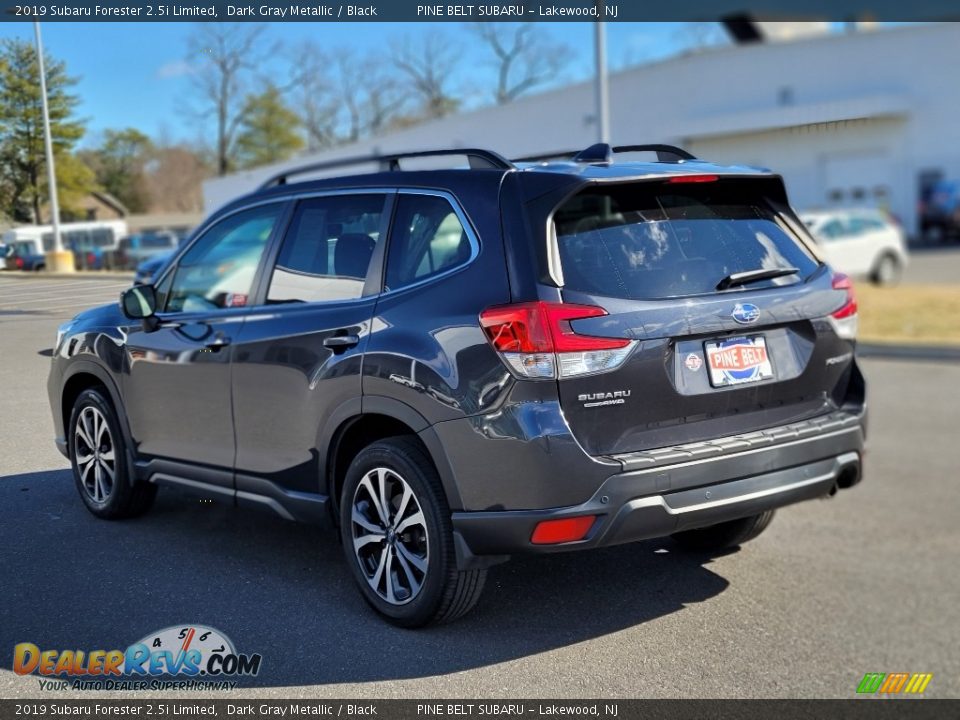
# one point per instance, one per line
(725, 303)
(297, 359)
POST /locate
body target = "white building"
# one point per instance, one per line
(850, 118)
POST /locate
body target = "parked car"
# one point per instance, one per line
(91, 242)
(133, 250)
(861, 242)
(25, 255)
(456, 366)
(150, 268)
(940, 210)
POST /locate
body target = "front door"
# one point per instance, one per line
(177, 384)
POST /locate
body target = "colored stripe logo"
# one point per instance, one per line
(894, 683)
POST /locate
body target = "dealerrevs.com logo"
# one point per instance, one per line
(199, 657)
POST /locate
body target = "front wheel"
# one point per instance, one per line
(99, 459)
(725, 535)
(398, 537)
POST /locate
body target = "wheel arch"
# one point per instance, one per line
(360, 423)
(83, 375)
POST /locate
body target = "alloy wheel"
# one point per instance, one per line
(389, 534)
(95, 454)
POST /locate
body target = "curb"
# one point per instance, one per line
(80, 275)
(908, 352)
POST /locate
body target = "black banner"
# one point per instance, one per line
(867, 709)
(433, 11)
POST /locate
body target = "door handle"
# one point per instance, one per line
(341, 342)
(219, 341)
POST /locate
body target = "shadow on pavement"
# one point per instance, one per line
(281, 589)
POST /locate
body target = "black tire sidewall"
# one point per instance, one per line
(887, 259)
(113, 505)
(423, 482)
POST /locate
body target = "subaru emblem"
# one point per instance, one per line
(745, 313)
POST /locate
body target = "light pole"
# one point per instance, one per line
(600, 83)
(58, 259)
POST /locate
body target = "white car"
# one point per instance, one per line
(861, 242)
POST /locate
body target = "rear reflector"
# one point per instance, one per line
(551, 532)
(536, 339)
(692, 179)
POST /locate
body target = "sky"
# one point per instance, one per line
(138, 74)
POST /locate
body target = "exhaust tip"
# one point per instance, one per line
(849, 476)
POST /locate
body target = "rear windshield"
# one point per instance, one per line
(656, 240)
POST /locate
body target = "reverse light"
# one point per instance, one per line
(552, 532)
(537, 341)
(844, 319)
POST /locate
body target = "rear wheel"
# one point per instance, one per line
(398, 538)
(99, 459)
(724, 535)
(887, 270)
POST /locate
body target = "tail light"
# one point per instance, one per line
(536, 340)
(844, 319)
(19, 263)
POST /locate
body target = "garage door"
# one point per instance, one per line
(857, 179)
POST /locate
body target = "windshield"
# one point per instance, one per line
(657, 240)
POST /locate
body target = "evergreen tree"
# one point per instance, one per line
(22, 154)
(269, 131)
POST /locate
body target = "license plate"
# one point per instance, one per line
(738, 360)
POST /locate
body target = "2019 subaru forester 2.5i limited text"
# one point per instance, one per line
(454, 366)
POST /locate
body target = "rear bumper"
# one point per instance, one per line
(667, 498)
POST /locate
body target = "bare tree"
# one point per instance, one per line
(344, 96)
(174, 177)
(383, 94)
(428, 64)
(225, 55)
(523, 55)
(315, 94)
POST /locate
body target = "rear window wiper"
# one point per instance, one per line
(751, 276)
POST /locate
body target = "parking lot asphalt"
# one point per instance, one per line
(933, 264)
(865, 582)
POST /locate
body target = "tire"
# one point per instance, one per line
(100, 472)
(410, 578)
(887, 271)
(724, 535)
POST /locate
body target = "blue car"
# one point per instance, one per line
(151, 267)
(940, 210)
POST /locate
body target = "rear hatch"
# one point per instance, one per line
(733, 324)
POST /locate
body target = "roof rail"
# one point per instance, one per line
(665, 153)
(542, 157)
(478, 159)
(602, 153)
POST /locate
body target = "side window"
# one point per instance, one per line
(833, 230)
(218, 271)
(427, 239)
(327, 250)
(857, 226)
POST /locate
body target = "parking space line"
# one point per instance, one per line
(39, 295)
(46, 287)
(88, 300)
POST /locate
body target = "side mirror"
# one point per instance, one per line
(139, 302)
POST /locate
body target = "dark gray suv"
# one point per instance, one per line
(454, 366)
